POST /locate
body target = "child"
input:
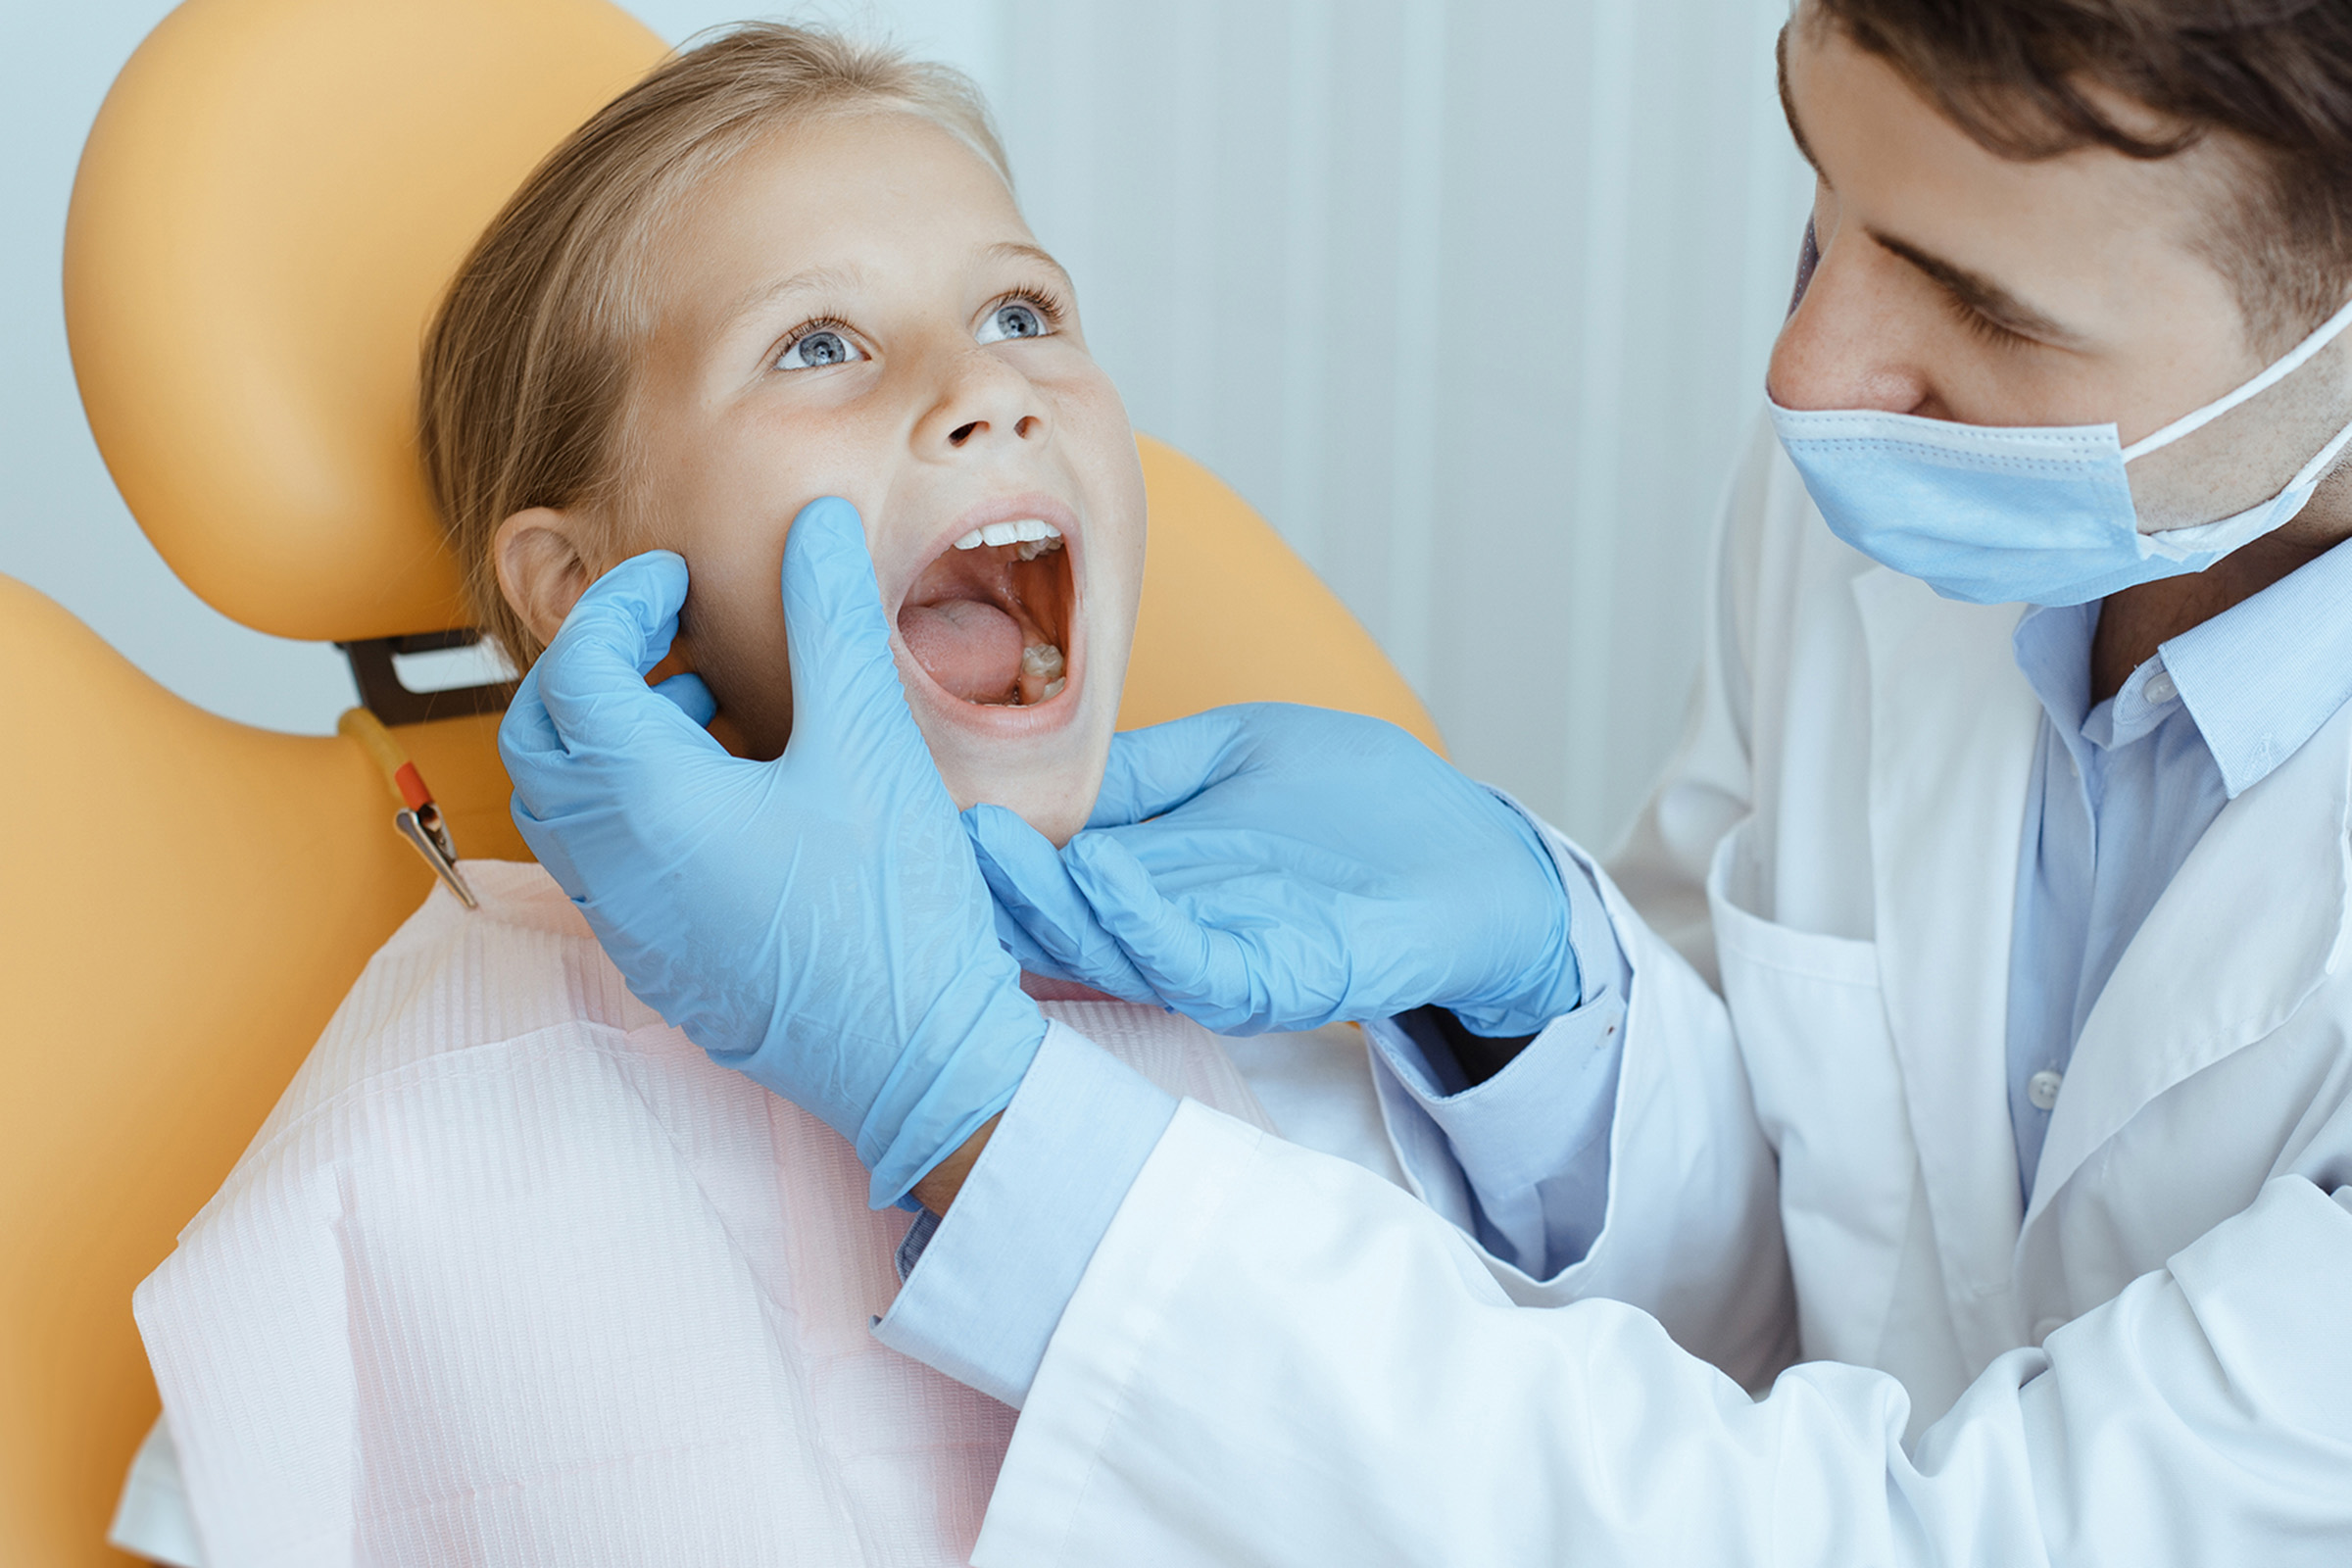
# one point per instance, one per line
(513, 1273)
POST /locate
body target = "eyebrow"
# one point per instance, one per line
(1982, 294)
(1974, 290)
(815, 280)
(1021, 250)
(840, 279)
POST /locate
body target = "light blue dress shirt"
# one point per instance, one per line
(2121, 793)
(2122, 790)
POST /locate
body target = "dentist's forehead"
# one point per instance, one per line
(2053, 248)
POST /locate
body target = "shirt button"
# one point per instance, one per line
(2161, 689)
(2042, 1089)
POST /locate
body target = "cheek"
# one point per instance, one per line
(733, 624)
(1101, 448)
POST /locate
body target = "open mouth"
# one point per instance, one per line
(990, 620)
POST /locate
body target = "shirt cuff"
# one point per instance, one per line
(1531, 1144)
(986, 1284)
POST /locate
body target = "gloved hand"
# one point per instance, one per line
(817, 921)
(1272, 866)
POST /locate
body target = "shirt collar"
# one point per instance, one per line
(2263, 677)
(2052, 643)
(2258, 680)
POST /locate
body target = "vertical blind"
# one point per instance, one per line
(1472, 300)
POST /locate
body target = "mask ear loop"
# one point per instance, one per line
(2179, 544)
(2297, 357)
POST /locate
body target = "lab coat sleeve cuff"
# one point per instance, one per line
(1600, 964)
(987, 1283)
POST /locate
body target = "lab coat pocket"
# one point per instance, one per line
(1811, 1021)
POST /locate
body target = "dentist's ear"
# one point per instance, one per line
(542, 570)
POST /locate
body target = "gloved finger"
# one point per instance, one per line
(1155, 770)
(592, 676)
(547, 849)
(693, 698)
(526, 733)
(844, 680)
(1023, 947)
(530, 748)
(1188, 966)
(1032, 889)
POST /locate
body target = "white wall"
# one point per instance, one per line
(1471, 299)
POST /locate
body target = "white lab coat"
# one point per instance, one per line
(1274, 1359)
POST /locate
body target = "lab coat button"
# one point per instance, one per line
(2042, 1089)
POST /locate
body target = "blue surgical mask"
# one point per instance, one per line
(2041, 515)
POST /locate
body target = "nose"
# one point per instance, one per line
(983, 405)
(1861, 337)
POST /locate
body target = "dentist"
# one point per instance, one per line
(1931, 1140)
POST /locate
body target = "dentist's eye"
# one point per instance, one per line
(1023, 317)
(816, 346)
(1982, 326)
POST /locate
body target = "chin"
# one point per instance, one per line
(1049, 781)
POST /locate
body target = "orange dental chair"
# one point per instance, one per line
(270, 204)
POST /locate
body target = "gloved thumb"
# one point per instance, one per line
(588, 689)
(843, 675)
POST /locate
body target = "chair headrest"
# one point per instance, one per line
(271, 201)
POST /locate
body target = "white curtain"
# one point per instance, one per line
(1472, 300)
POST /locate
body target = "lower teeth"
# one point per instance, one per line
(1044, 672)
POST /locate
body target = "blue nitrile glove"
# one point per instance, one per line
(817, 921)
(1272, 866)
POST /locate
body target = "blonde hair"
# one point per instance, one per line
(528, 364)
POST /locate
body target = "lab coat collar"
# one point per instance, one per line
(2250, 926)
(1952, 730)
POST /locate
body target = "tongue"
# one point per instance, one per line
(973, 650)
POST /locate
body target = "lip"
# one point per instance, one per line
(1000, 723)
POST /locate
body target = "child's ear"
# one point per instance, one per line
(541, 568)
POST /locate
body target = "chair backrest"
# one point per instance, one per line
(271, 201)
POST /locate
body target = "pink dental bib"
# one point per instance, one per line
(513, 1274)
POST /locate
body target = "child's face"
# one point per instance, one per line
(856, 308)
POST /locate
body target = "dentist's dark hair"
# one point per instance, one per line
(2024, 77)
(523, 394)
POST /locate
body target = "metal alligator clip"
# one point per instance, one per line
(419, 819)
(423, 826)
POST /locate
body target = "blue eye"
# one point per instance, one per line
(817, 348)
(1013, 319)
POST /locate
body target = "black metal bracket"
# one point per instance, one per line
(382, 694)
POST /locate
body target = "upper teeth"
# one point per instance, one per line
(1024, 530)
